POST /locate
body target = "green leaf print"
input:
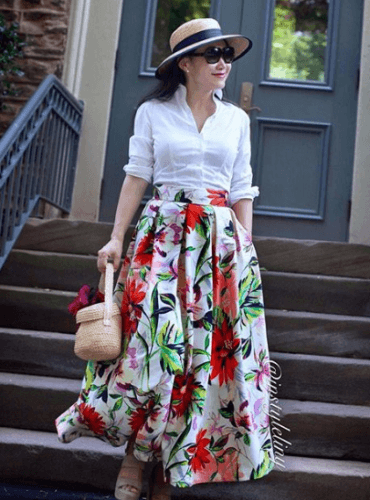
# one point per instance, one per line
(213, 476)
(142, 273)
(118, 404)
(202, 256)
(220, 443)
(247, 439)
(164, 276)
(206, 343)
(201, 351)
(246, 347)
(182, 484)
(179, 195)
(203, 366)
(168, 298)
(249, 376)
(201, 229)
(267, 445)
(178, 464)
(253, 261)
(179, 442)
(170, 353)
(198, 400)
(203, 278)
(263, 468)
(227, 259)
(142, 222)
(89, 375)
(154, 307)
(244, 287)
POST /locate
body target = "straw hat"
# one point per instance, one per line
(196, 33)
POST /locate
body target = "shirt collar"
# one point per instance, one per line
(181, 94)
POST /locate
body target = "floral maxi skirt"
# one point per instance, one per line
(192, 383)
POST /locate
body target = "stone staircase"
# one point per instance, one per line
(317, 297)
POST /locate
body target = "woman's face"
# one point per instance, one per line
(205, 75)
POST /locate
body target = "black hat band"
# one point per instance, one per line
(198, 37)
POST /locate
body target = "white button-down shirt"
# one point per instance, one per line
(167, 147)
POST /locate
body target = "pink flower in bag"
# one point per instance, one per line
(86, 296)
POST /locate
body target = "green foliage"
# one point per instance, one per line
(297, 55)
(170, 14)
(11, 46)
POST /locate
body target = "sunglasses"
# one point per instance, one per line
(214, 54)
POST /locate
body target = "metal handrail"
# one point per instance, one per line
(38, 156)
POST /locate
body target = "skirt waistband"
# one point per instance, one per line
(200, 196)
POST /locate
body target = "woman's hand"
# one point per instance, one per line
(112, 250)
(244, 213)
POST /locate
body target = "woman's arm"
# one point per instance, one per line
(244, 212)
(132, 192)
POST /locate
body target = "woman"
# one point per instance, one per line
(192, 385)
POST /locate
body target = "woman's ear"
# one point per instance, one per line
(183, 64)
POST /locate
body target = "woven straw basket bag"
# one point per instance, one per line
(99, 336)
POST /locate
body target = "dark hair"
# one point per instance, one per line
(168, 84)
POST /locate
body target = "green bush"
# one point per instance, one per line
(296, 55)
(11, 47)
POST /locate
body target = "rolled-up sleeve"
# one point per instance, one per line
(141, 159)
(241, 181)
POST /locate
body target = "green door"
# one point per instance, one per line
(304, 71)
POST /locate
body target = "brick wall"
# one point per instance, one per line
(45, 24)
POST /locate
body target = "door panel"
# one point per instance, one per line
(303, 138)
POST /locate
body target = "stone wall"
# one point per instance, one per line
(45, 25)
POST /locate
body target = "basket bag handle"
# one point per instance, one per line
(108, 294)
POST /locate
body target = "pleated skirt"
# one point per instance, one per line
(192, 384)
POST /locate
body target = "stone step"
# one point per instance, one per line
(315, 293)
(327, 379)
(34, 402)
(290, 291)
(302, 479)
(39, 353)
(304, 376)
(36, 456)
(276, 254)
(46, 309)
(55, 271)
(323, 429)
(318, 333)
(314, 429)
(36, 309)
(41, 492)
(51, 353)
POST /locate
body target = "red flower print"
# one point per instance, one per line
(217, 197)
(225, 286)
(194, 214)
(219, 281)
(140, 416)
(224, 346)
(132, 296)
(200, 453)
(91, 418)
(144, 251)
(243, 421)
(182, 393)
